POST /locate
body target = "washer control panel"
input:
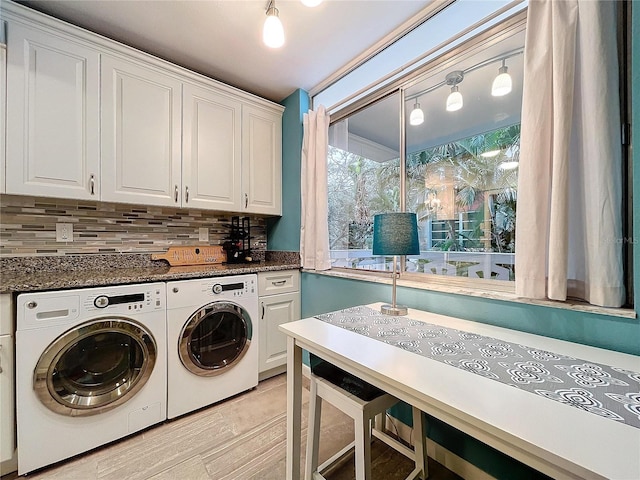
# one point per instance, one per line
(35, 310)
(138, 299)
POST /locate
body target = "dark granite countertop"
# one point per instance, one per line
(32, 274)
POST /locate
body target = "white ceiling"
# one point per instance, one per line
(222, 38)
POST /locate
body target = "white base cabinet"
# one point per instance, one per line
(7, 391)
(279, 302)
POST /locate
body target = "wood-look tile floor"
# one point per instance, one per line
(242, 438)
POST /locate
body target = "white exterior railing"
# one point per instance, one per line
(488, 265)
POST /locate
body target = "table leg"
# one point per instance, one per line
(294, 408)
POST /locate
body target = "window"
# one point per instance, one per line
(457, 170)
(363, 180)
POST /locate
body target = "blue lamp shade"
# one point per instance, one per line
(395, 234)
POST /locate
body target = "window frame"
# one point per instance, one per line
(511, 26)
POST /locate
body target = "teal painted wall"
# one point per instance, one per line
(283, 233)
(322, 294)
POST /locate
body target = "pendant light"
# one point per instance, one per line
(454, 100)
(502, 83)
(490, 153)
(417, 115)
(273, 32)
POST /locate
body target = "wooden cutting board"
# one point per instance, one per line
(192, 255)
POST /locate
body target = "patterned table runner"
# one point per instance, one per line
(610, 392)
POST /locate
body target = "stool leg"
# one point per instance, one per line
(313, 431)
(363, 448)
(420, 442)
(378, 422)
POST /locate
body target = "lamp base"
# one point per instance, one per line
(398, 310)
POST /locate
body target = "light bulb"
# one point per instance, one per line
(508, 165)
(311, 3)
(417, 116)
(273, 32)
(454, 100)
(502, 83)
(490, 153)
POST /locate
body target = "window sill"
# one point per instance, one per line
(505, 293)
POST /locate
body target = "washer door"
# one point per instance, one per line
(95, 366)
(215, 338)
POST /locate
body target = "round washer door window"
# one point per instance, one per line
(215, 338)
(95, 367)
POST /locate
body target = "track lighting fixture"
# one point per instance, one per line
(502, 83)
(454, 100)
(490, 153)
(273, 32)
(417, 115)
(510, 165)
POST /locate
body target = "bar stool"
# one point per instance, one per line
(362, 411)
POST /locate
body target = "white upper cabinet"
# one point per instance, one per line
(141, 134)
(211, 149)
(3, 107)
(262, 160)
(89, 118)
(52, 115)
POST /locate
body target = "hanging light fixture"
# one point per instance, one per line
(490, 153)
(502, 83)
(417, 115)
(454, 100)
(311, 3)
(510, 165)
(272, 32)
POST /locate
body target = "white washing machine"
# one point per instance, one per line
(90, 368)
(212, 332)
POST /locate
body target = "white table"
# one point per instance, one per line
(560, 441)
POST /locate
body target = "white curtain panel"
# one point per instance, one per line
(314, 226)
(569, 227)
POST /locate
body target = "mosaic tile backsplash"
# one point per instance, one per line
(28, 227)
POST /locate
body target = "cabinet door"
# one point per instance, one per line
(211, 172)
(276, 310)
(3, 106)
(261, 161)
(52, 116)
(7, 423)
(141, 134)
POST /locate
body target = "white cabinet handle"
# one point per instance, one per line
(186, 194)
(92, 184)
(279, 283)
(175, 194)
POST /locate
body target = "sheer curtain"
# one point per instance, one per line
(569, 228)
(314, 225)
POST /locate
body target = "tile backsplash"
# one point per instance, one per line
(28, 227)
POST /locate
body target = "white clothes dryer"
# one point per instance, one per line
(90, 368)
(212, 331)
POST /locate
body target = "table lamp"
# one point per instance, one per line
(395, 234)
